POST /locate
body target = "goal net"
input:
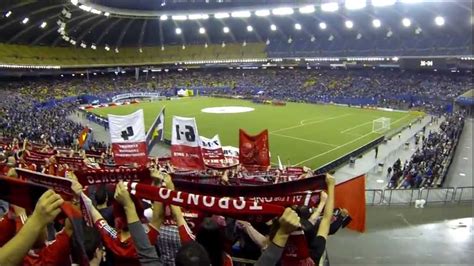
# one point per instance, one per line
(381, 125)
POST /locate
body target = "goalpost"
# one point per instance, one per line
(381, 125)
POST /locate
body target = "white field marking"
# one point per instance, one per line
(306, 140)
(349, 129)
(336, 148)
(315, 122)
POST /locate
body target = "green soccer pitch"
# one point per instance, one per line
(301, 134)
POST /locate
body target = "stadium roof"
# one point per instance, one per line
(96, 24)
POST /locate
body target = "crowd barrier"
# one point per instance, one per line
(397, 197)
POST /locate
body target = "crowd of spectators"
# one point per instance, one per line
(429, 164)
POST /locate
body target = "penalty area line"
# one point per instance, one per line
(305, 140)
(310, 123)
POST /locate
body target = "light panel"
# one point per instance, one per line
(323, 25)
(349, 24)
(249, 28)
(376, 23)
(355, 4)
(225, 29)
(297, 26)
(439, 21)
(9, 13)
(406, 22)
(25, 20)
(198, 16)
(43, 25)
(85, 8)
(282, 11)
(163, 17)
(179, 17)
(262, 13)
(202, 30)
(330, 7)
(241, 14)
(383, 2)
(273, 27)
(178, 31)
(221, 15)
(307, 9)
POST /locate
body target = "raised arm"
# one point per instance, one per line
(317, 212)
(328, 210)
(46, 210)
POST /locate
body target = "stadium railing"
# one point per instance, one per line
(397, 197)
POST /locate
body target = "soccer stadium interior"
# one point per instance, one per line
(230, 132)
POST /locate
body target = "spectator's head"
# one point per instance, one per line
(211, 237)
(192, 254)
(101, 195)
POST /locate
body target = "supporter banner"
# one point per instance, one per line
(127, 134)
(237, 208)
(71, 161)
(111, 176)
(185, 150)
(136, 95)
(231, 154)
(156, 131)
(303, 198)
(59, 184)
(211, 150)
(254, 150)
(350, 195)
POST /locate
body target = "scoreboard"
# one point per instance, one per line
(424, 63)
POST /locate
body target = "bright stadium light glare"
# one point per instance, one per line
(330, 7)
(262, 13)
(85, 8)
(163, 17)
(179, 17)
(106, 14)
(25, 20)
(410, 1)
(355, 4)
(225, 29)
(383, 2)
(9, 13)
(249, 28)
(349, 24)
(241, 14)
(282, 11)
(376, 23)
(323, 25)
(221, 15)
(178, 31)
(439, 21)
(198, 16)
(297, 26)
(406, 22)
(74, 2)
(202, 30)
(43, 25)
(307, 9)
(273, 27)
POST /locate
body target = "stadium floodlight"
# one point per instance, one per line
(43, 25)
(307, 9)
(297, 26)
(178, 31)
(107, 48)
(249, 28)
(183, 47)
(206, 45)
(162, 48)
(163, 17)
(241, 14)
(198, 16)
(282, 11)
(410, 1)
(330, 7)
(179, 17)
(267, 42)
(273, 27)
(9, 13)
(406, 22)
(25, 20)
(244, 43)
(223, 44)
(313, 39)
(323, 25)
(225, 29)
(262, 13)
(355, 4)
(106, 14)
(349, 24)
(221, 15)
(95, 11)
(439, 21)
(74, 2)
(93, 47)
(376, 23)
(202, 30)
(116, 50)
(383, 2)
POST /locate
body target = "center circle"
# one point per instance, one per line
(227, 110)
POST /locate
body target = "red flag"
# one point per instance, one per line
(185, 149)
(254, 150)
(83, 136)
(351, 196)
